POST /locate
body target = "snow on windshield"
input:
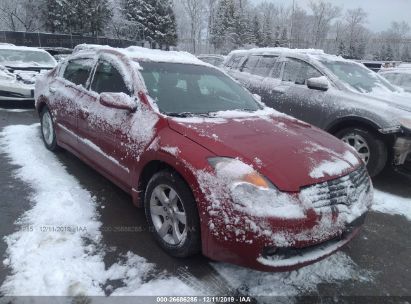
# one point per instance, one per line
(358, 77)
(182, 89)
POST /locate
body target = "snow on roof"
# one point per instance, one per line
(312, 53)
(145, 54)
(20, 48)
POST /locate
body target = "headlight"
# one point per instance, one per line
(252, 193)
(405, 122)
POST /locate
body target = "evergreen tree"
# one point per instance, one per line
(284, 37)
(223, 31)
(256, 30)
(157, 19)
(77, 16)
(341, 49)
(267, 38)
(389, 55)
(406, 56)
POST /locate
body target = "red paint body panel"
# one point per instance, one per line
(279, 142)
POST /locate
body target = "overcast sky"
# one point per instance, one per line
(380, 12)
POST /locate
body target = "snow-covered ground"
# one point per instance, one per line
(57, 249)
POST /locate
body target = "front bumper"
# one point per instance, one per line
(402, 150)
(334, 217)
(282, 259)
(16, 92)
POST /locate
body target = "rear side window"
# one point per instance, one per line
(264, 65)
(291, 70)
(108, 79)
(235, 61)
(250, 64)
(77, 71)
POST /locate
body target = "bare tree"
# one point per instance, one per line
(194, 10)
(21, 15)
(323, 14)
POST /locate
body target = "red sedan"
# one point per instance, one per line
(216, 171)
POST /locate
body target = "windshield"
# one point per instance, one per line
(358, 77)
(192, 89)
(13, 57)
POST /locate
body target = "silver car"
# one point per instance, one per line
(19, 67)
(399, 76)
(340, 96)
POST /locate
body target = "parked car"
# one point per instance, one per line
(216, 60)
(399, 76)
(19, 67)
(340, 96)
(215, 170)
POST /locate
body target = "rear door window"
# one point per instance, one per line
(108, 79)
(235, 61)
(78, 71)
(250, 64)
(265, 65)
(292, 68)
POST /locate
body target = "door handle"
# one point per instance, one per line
(52, 90)
(84, 114)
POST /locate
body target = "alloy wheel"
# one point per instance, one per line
(168, 215)
(359, 144)
(47, 128)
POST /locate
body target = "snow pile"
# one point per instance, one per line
(57, 248)
(392, 204)
(335, 269)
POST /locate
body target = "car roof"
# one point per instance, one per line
(306, 54)
(21, 48)
(137, 53)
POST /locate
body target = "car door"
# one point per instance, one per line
(108, 128)
(66, 91)
(293, 97)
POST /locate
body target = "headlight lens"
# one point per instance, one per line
(406, 122)
(252, 193)
(233, 170)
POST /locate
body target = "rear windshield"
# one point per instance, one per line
(186, 88)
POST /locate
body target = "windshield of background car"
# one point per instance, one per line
(358, 77)
(187, 88)
(12, 57)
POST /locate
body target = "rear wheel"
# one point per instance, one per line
(371, 149)
(47, 130)
(172, 214)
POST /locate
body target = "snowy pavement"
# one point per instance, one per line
(77, 234)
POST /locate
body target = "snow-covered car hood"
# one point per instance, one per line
(24, 75)
(290, 153)
(400, 101)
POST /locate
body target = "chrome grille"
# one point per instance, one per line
(344, 190)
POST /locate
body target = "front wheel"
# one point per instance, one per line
(47, 130)
(371, 149)
(172, 214)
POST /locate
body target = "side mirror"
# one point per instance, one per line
(257, 97)
(318, 83)
(118, 101)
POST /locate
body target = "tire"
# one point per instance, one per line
(177, 239)
(378, 154)
(48, 132)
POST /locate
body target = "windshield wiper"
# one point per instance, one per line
(187, 114)
(179, 114)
